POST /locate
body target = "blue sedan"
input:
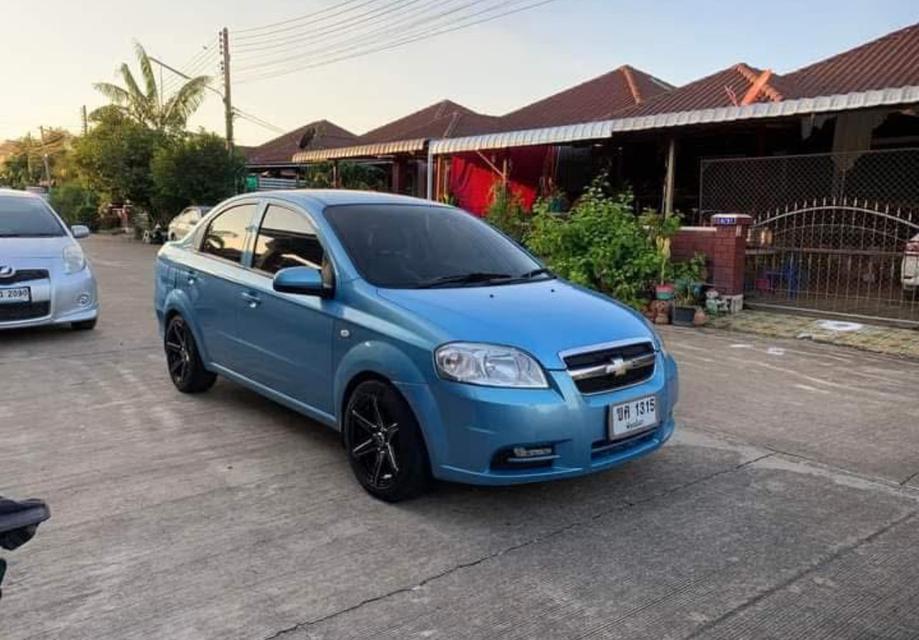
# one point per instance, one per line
(436, 345)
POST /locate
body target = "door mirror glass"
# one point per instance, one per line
(79, 231)
(302, 280)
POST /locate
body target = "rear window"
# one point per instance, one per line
(25, 217)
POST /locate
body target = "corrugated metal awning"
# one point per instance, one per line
(361, 151)
(606, 128)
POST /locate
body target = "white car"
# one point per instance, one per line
(185, 222)
(909, 271)
(44, 276)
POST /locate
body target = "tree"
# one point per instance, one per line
(23, 162)
(146, 106)
(193, 169)
(114, 158)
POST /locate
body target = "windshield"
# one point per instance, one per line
(414, 246)
(24, 217)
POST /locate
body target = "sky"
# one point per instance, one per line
(52, 51)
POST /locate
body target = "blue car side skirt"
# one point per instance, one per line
(304, 409)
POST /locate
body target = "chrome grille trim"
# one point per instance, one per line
(614, 368)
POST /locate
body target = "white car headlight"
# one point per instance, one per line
(488, 365)
(74, 260)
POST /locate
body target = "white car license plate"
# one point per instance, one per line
(12, 296)
(629, 417)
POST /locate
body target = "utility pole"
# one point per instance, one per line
(227, 101)
(85, 123)
(44, 157)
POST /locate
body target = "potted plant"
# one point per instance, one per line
(686, 300)
(660, 230)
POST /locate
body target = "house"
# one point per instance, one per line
(271, 161)
(400, 146)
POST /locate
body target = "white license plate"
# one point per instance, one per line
(12, 296)
(633, 416)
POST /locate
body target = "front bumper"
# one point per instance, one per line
(65, 298)
(466, 426)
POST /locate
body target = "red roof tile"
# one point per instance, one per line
(725, 88)
(889, 61)
(440, 120)
(316, 135)
(596, 99)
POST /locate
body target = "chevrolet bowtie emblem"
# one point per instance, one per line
(617, 367)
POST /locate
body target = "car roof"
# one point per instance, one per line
(333, 197)
(17, 192)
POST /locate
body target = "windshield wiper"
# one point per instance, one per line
(29, 235)
(542, 271)
(463, 278)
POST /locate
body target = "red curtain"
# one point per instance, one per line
(472, 179)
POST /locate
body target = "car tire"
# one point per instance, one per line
(384, 444)
(83, 325)
(183, 361)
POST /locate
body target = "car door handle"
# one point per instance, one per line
(251, 298)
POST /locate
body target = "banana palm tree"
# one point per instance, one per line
(146, 105)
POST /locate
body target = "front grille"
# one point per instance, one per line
(24, 275)
(27, 311)
(596, 371)
(605, 447)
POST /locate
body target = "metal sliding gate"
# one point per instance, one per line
(830, 231)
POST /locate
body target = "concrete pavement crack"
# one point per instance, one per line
(815, 566)
(908, 478)
(626, 504)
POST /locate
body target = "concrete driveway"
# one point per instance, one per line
(786, 507)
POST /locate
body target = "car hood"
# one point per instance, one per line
(542, 318)
(12, 248)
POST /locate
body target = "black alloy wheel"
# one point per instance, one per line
(384, 443)
(185, 367)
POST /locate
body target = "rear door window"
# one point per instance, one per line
(285, 239)
(226, 234)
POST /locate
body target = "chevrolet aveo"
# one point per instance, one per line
(436, 345)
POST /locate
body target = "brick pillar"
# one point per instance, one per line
(729, 251)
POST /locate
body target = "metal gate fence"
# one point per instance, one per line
(830, 231)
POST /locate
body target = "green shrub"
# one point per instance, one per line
(600, 243)
(76, 204)
(507, 213)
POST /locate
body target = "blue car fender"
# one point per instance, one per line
(377, 357)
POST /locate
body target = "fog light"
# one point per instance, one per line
(84, 299)
(532, 452)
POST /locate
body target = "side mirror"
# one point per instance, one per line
(79, 231)
(301, 280)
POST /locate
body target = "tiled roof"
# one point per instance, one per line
(596, 99)
(316, 135)
(889, 61)
(736, 85)
(440, 120)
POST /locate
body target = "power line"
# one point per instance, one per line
(256, 120)
(398, 43)
(277, 27)
(400, 27)
(312, 32)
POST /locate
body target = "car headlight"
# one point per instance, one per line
(488, 365)
(74, 260)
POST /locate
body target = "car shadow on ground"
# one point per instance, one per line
(540, 506)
